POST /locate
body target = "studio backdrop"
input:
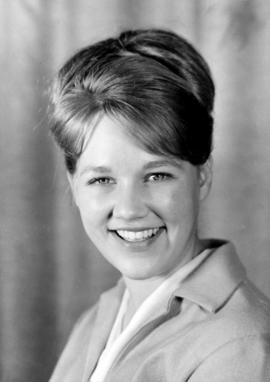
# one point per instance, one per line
(49, 271)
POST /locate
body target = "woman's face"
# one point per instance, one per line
(138, 208)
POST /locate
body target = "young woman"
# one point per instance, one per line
(133, 117)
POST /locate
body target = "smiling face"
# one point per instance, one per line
(139, 209)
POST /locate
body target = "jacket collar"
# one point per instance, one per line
(214, 280)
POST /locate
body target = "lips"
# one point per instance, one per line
(136, 236)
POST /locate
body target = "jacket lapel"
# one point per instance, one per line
(107, 310)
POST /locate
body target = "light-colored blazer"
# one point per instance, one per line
(215, 328)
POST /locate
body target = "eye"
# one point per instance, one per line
(158, 177)
(103, 180)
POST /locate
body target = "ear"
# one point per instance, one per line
(71, 181)
(205, 178)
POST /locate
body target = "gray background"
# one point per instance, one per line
(49, 272)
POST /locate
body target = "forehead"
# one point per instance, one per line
(112, 143)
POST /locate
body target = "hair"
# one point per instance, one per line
(153, 78)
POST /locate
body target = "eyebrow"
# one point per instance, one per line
(160, 163)
(100, 169)
(148, 166)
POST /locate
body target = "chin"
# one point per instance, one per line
(133, 273)
(139, 272)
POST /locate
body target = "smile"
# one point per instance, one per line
(138, 236)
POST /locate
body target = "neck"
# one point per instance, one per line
(140, 289)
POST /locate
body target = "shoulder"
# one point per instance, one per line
(245, 358)
(232, 300)
(233, 343)
(90, 324)
(88, 318)
(245, 314)
(73, 356)
(236, 338)
(83, 324)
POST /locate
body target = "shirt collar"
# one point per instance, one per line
(214, 280)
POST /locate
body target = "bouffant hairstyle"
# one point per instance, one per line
(153, 78)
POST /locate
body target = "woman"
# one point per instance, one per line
(133, 118)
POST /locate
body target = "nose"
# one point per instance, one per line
(129, 203)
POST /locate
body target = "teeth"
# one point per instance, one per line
(138, 235)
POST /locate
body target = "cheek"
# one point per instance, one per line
(180, 206)
(92, 212)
